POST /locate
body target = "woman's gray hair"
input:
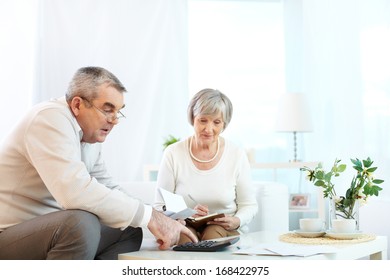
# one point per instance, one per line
(87, 80)
(210, 102)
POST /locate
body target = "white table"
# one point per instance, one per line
(375, 250)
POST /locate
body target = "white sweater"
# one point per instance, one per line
(44, 168)
(226, 188)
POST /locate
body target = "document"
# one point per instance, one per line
(176, 207)
(286, 249)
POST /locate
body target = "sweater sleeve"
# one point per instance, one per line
(245, 194)
(57, 159)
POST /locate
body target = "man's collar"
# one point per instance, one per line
(77, 126)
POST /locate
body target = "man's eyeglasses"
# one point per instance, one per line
(111, 116)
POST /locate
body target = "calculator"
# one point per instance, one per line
(206, 245)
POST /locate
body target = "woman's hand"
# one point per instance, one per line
(227, 222)
(202, 210)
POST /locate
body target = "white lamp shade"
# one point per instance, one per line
(293, 115)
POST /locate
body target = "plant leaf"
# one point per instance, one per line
(378, 181)
(357, 162)
(341, 168)
(319, 175)
(372, 169)
(358, 168)
(319, 183)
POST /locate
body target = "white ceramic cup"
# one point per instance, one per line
(343, 225)
(311, 224)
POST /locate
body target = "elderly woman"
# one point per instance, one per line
(211, 173)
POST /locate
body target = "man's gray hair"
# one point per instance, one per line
(210, 102)
(87, 80)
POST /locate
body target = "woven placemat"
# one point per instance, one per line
(323, 240)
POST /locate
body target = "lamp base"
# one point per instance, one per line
(295, 146)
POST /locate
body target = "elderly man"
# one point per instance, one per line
(57, 200)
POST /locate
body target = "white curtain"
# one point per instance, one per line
(143, 42)
(345, 62)
(17, 51)
(336, 52)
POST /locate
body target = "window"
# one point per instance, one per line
(237, 47)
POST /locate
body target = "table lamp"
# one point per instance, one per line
(293, 116)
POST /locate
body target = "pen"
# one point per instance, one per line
(193, 199)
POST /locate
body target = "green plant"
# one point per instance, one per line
(362, 186)
(170, 140)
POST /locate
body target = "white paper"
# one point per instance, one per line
(286, 249)
(183, 214)
(173, 202)
(176, 206)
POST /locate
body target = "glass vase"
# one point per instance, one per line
(338, 211)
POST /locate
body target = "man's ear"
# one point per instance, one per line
(75, 105)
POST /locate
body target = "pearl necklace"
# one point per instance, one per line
(204, 161)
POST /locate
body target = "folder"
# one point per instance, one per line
(175, 206)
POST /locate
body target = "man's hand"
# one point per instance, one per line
(167, 231)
